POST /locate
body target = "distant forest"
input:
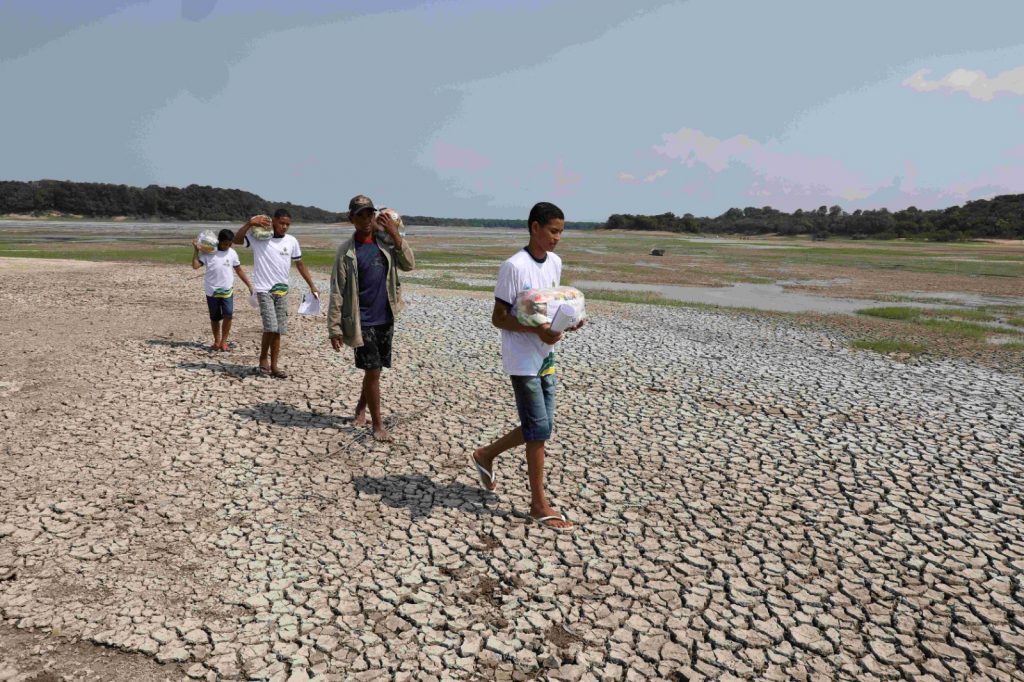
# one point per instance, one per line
(1001, 217)
(195, 202)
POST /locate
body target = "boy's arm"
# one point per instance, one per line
(304, 271)
(240, 235)
(502, 318)
(196, 263)
(241, 275)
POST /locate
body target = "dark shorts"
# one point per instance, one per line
(220, 308)
(375, 352)
(535, 401)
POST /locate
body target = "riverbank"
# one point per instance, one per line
(740, 484)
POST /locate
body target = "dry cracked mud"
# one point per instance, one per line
(755, 501)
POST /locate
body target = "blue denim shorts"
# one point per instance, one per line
(535, 401)
(220, 308)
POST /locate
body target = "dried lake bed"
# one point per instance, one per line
(755, 498)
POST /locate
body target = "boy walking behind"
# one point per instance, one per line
(219, 283)
(272, 260)
(366, 296)
(528, 357)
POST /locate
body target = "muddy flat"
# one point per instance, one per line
(754, 499)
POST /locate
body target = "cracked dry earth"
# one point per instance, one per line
(755, 501)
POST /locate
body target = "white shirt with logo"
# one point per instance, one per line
(272, 260)
(219, 278)
(523, 353)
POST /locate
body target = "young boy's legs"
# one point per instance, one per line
(216, 315)
(228, 310)
(535, 402)
(372, 357)
(274, 314)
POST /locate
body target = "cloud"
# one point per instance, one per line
(976, 84)
(779, 172)
(451, 157)
(630, 179)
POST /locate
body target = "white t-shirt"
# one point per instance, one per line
(219, 279)
(523, 353)
(272, 260)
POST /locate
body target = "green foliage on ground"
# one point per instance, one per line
(886, 346)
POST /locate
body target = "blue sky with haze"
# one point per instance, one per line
(476, 108)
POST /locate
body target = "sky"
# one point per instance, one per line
(473, 108)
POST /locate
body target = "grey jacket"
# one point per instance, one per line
(343, 307)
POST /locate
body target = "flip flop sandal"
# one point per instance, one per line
(279, 375)
(485, 477)
(543, 521)
(263, 371)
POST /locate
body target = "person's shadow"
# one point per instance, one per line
(177, 344)
(421, 496)
(283, 414)
(222, 367)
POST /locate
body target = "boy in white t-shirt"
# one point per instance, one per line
(271, 268)
(219, 284)
(528, 357)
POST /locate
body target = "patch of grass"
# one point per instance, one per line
(1014, 345)
(1015, 321)
(649, 298)
(963, 314)
(892, 313)
(886, 346)
(959, 328)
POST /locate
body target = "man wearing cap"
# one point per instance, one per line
(366, 296)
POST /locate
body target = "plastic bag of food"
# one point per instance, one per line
(259, 231)
(207, 241)
(534, 307)
(380, 227)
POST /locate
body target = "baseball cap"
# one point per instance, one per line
(358, 203)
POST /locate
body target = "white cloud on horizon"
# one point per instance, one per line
(975, 84)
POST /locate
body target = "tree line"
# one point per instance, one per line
(100, 200)
(195, 202)
(1001, 217)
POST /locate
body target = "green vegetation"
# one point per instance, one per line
(959, 328)
(961, 322)
(1000, 217)
(893, 313)
(1015, 321)
(195, 202)
(887, 346)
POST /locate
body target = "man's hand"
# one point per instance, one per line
(390, 226)
(259, 220)
(547, 336)
(336, 343)
(195, 245)
(251, 292)
(315, 292)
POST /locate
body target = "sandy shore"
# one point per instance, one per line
(754, 500)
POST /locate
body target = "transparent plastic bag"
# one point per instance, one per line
(207, 241)
(534, 307)
(260, 232)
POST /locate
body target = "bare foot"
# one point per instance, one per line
(487, 481)
(360, 418)
(552, 518)
(382, 436)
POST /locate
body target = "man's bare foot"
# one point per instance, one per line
(551, 518)
(486, 479)
(382, 436)
(360, 418)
